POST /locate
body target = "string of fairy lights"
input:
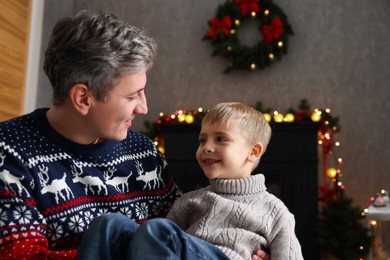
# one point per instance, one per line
(328, 126)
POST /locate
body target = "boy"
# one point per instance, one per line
(235, 212)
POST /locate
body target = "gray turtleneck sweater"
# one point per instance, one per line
(238, 216)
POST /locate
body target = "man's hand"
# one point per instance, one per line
(261, 255)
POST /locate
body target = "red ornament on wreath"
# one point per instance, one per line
(273, 25)
(219, 26)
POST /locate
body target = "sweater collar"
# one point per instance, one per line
(245, 186)
(43, 125)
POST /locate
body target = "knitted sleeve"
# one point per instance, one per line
(22, 227)
(283, 241)
(182, 213)
(165, 202)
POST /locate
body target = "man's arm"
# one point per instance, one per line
(22, 227)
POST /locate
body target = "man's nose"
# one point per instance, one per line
(142, 106)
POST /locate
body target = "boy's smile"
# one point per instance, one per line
(210, 162)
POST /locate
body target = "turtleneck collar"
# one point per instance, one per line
(245, 186)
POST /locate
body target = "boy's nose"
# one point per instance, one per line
(207, 149)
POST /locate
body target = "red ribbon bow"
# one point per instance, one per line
(217, 25)
(273, 31)
(248, 6)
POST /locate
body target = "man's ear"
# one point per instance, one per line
(81, 98)
(255, 152)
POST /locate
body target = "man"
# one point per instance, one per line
(63, 166)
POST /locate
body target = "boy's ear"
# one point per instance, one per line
(81, 98)
(256, 152)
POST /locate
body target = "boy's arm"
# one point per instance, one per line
(285, 244)
(185, 210)
(178, 213)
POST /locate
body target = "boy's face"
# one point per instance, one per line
(112, 119)
(223, 152)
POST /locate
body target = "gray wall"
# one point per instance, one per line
(338, 58)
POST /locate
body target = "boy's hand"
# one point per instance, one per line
(260, 255)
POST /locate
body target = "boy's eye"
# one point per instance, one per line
(202, 140)
(221, 139)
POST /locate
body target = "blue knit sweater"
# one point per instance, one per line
(52, 188)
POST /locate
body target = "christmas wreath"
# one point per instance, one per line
(273, 26)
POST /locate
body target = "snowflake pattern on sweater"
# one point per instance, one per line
(52, 188)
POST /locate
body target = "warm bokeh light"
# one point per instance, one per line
(331, 172)
(289, 117)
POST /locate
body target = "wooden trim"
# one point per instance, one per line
(14, 28)
(34, 53)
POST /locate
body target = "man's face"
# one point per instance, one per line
(112, 119)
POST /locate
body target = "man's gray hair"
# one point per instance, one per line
(95, 49)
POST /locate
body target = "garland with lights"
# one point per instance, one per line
(328, 126)
(273, 26)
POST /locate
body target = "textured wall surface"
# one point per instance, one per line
(338, 58)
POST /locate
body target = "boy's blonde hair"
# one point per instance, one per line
(252, 123)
